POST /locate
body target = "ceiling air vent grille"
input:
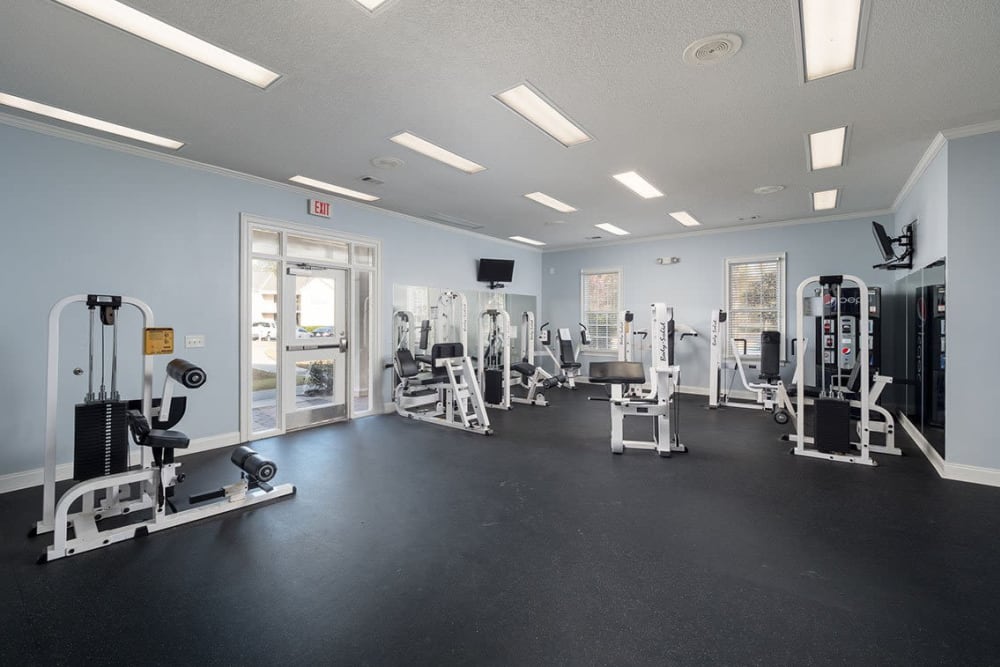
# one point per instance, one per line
(452, 221)
(713, 49)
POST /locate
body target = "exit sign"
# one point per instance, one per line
(320, 208)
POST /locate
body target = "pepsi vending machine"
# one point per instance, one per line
(840, 341)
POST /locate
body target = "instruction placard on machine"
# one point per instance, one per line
(158, 340)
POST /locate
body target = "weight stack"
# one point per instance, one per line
(100, 445)
(493, 391)
(833, 425)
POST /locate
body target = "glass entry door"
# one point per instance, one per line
(314, 338)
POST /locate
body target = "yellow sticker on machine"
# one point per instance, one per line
(159, 340)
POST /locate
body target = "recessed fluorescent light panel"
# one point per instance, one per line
(551, 202)
(638, 185)
(87, 121)
(330, 187)
(685, 219)
(546, 117)
(826, 149)
(611, 229)
(825, 200)
(522, 239)
(831, 31)
(371, 5)
(156, 31)
(424, 147)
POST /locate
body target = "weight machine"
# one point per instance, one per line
(447, 395)
(568, 361)
(494, 357)
(533, 377)
(769, 390)
(831, 438)
(658, 403)
(107, 485)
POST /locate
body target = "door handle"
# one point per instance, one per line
(343, 344)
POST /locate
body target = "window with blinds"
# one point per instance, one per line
(600, 297)
(755, 300)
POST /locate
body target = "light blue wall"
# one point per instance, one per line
(79, 218)
(927, 203)
(694, 287)
(973, 320)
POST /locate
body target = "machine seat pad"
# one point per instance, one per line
(423, 358)
(570, 365)
(811, 392)
(524, 368)
(617, 372)
(166, 439)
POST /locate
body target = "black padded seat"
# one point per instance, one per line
(572, 365)
(157, 438)
(617, 372)
(524, 368)
(423, 358)
(166, 439)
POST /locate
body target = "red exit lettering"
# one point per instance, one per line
(320, 208)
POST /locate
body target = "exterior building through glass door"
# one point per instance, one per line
(315, 338)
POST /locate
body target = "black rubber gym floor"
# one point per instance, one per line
(414, 544)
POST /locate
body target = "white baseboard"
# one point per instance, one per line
(958, 472)
(389, 407)
(922, 442)
(29, 478)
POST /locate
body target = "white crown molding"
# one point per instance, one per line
(728, 230)
(923, 163)
(937, 143)
(172, 158)
(972, 130)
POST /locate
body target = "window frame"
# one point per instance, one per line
(782, 288)
(591, 349)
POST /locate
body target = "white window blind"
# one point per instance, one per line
(755, 300)
(600, 296)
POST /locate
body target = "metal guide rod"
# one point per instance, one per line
(114, 360)
(90, 368)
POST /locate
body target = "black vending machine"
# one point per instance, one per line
(839, 343)
(929, 353)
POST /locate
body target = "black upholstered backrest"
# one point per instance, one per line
(446, 350)
(566, 351)
(405, 364)
(617, 372)
(425, 332)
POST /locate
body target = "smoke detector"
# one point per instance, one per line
(713, 49)
(768, 189)
(386, 162)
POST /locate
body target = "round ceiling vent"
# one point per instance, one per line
(386, 162)
(713, 49)
(768, 189)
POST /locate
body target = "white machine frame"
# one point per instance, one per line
(457, 401)
(658, 403)
(562, 334)
(799, 437)
(151, 481)
(445, 310)
(490, 319)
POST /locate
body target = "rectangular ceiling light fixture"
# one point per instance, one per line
(424, 147)
(551, 202)
(831, 34)
(524, 239)
(145, 26)
(825, 200)
(611, 229)
(371, 5)
(685, 219)
(826, 149)
(544, 115)
(87, 121)
(638, 185)
(330, 187)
